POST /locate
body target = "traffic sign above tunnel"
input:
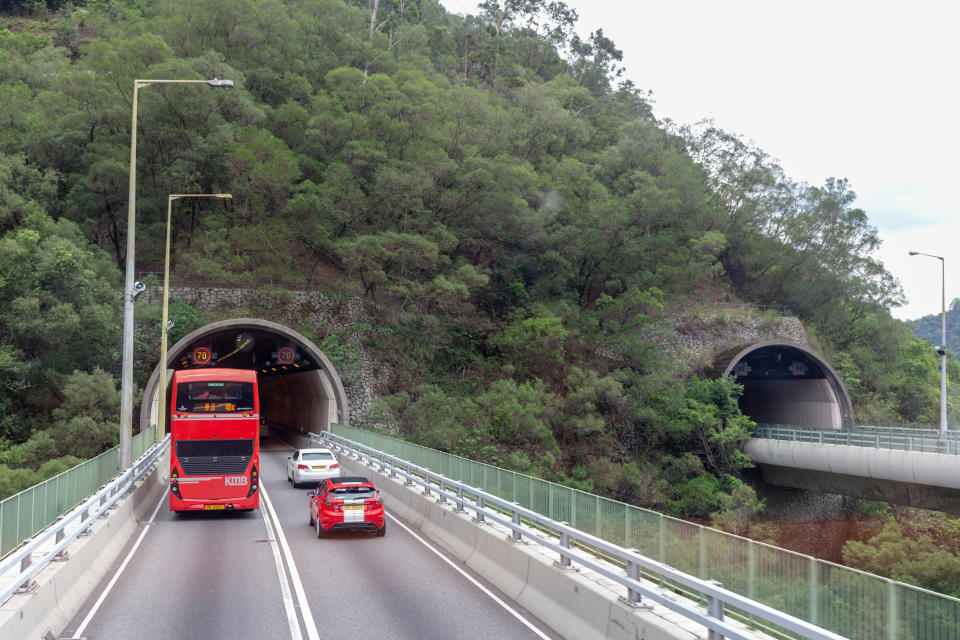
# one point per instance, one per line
(264, 350)
(300, 388)
(786, 383)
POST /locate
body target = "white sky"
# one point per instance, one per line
(866, 90)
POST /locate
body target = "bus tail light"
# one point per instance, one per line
(254, 481)
(175, 483)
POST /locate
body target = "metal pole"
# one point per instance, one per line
(164, 322)
(942, 349)
(126, 375)
(943, 346)
(162, 400)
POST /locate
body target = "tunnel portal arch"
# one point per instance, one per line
(787, 383)
(300, 388)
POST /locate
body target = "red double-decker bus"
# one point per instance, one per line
(214, 440)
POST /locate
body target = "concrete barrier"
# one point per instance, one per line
(574, 604)
(912, 478)
(63, 586)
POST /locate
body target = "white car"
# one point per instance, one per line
(312, 465)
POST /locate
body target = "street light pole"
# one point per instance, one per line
(164, 322)
(130, 289)
(942, 349)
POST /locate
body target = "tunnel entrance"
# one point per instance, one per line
(786, 383)
(299, 387)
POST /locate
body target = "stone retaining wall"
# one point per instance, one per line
(699, 337)
(320, 314)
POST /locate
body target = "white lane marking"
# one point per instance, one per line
(284, 585)
(103, 596)
(511, 610)
(308, 621)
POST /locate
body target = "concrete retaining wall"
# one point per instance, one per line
(63, 587)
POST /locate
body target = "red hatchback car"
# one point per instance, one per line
(347, 504)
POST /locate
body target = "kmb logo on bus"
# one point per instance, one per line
(235, 481)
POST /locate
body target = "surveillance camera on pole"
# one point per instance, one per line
(138, 288)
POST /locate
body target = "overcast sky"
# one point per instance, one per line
(856, 89)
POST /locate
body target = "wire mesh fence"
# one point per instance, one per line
(852, 603)
(32, 510)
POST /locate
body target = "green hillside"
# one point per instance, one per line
(931, 327)
(515, 216)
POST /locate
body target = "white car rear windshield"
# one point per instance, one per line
(318, 456)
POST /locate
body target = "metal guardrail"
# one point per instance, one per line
(526, 523)
(847, 601)
(916, 440)
(80, 519)
(37, 507)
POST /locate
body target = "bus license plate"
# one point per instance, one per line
(214, 507)
(353, 507)
(322, 466)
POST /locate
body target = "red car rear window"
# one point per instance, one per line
(352, 493)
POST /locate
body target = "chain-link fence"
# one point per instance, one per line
(24, 514)
(846, 601)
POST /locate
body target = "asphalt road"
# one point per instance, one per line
(215, 575)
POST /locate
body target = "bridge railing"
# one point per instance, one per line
(852, 603)
(625, 567)
(24, 514)
(900, 439)
(50, 544)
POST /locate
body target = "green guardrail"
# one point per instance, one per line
(903, 439)
(852, 603)
(25, 514)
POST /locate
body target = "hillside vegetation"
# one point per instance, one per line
(931, 326)
(511, 209)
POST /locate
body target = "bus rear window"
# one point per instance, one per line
(214, 397)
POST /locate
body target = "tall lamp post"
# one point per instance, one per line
(132, 289)
(942, 349)
(165, 325)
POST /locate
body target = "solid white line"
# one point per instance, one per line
(308, 621)
(284, 585)
(96, 606)
(475, 582)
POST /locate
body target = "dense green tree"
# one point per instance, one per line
(58, 307)
(921, 552)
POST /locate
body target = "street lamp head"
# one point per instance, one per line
(227, 84)
(222, 195)
(914, 253)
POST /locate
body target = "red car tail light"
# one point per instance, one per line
(334, 466)
(327, 501)
(302, 466)
(379, 499)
